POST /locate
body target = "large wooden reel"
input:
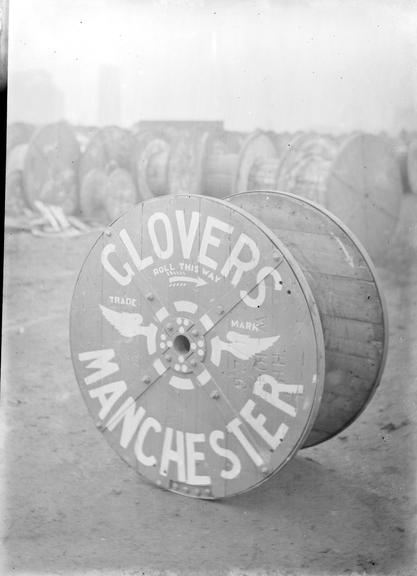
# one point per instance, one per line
(170, 159)
(107, 195)
(230, 161)
(349, 297)
(358, 180)
(50, 172)
(197, 345)
(150, 158)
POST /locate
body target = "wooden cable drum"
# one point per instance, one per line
(220, 162)
(264, 171)
(228, 170)
(358, 180)
(412, 166)
(168, 156)
(120, 193)
(181, 359)
(84, 135)
(212, 339)
(110, 145)
(50, 172)
(185, 167)
(92, 193)
(106, 195)
(289, 149)
(304, 166)
(348, 295)
(150, 158)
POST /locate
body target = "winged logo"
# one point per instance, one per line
(130, 324)
(241, 346)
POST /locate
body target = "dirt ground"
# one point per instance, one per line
(71, 506)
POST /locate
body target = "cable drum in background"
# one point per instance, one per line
(109, 146)
(50, 172)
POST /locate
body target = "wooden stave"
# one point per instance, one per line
(291, 239)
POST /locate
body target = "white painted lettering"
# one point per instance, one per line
(258, 424)
(123, 280)
(101, 362)
(192, 457)
(140, 263)
(130, 418)
(234, 260)
(275, 389)
(255, 302)
(171, 455)
(234, 427)
(187, 238)
(236, 466)
(148, 424)
(108, 395)
(169, 238)
(209, 240)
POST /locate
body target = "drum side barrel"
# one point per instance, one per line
(348, 295)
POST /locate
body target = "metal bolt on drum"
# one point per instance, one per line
(197, 341)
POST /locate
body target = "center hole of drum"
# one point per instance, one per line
(181, 344)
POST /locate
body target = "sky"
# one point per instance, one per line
(331, 65)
